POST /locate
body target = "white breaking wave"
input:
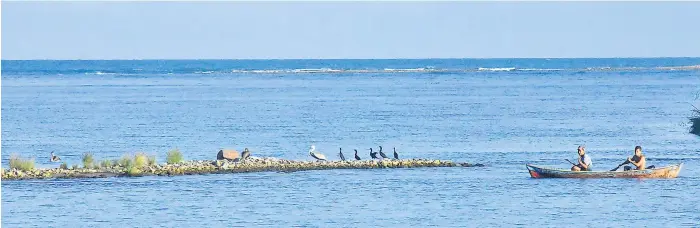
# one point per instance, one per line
(538, 69)
(409, 70)
(693, 67)
(263, 71)
(424, 70)
(320, 70)
(497, 69)
(99, 73)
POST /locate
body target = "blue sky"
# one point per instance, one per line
(240, 30)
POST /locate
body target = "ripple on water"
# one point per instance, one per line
(502, 119)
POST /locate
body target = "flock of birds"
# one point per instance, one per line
(320, 157)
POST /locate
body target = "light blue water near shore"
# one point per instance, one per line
(500, 112)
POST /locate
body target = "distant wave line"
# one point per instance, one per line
(446, 70)
(384, 70)
(100, 73)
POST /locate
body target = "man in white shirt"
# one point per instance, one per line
(584, 160)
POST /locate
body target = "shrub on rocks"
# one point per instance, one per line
(16, 162)
(133, 171)
(174, 157)
(106, 163)
(125, 161)
(152, 160)
(140, 160)
(88, 159)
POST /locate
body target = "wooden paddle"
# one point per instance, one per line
(570, 161)
(624, 163)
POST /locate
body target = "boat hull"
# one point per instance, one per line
(670, 171)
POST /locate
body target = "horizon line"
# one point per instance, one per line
(432, 58)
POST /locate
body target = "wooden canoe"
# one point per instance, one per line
(670, 171)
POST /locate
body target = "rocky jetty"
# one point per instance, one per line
(252, 164)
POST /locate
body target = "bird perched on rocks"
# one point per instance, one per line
(342, 157)
(382, 153)
(396, 155)
(373, 154)
(356, 156)
(245, 154)
(318, 156)
(54, 158)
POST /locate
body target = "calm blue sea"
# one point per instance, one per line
(504, 113)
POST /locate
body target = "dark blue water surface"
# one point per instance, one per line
(504, 113)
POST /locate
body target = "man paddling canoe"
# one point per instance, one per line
(638, 160)
(584, 160)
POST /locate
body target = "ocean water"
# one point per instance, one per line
(504, 113)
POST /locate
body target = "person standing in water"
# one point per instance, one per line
(584, 160)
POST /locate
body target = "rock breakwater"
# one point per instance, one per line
(252, 164)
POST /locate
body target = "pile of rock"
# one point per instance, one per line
(228, 161)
